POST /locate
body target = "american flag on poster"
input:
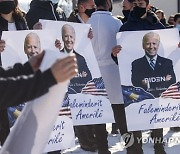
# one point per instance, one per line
(172, 92)
(65, 109)
(95, 87)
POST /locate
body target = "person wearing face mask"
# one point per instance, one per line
(177, 21)
(44, 9)
(11, 19)
(127, 6)
(141, 18)
(84, 10)
(105, 27)
(85, 133)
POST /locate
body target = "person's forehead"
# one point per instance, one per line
(126, 3)
(32, 38)
(152, 37)
(89, 3)
(139, 1)
(68, 29)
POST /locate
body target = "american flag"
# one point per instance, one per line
(95, 87)
(65, 109)
(172, 92)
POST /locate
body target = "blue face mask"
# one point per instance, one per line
(178, 26)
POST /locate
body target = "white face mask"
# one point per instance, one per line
(178, 26)
(55, 1)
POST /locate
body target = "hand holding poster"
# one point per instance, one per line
(149, 76)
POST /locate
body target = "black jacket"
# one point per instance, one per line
(83, 76)
(155, 79)
(20, 24)
(17, 85)
(43, 10)
(135, 24)
(74, 17)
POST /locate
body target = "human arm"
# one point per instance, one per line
(28, 68)
(15, 90)
(137, 76)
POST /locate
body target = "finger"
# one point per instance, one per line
(2, 41)
(40, 55)
(71, 73)
(64, 66)
(67, 60)
(69, 67)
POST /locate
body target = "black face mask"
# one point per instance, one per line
(126, 13)
(89, 12)
(7, 6)
(139, 11)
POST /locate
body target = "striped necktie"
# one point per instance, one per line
(152, 63)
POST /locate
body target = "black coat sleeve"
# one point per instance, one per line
(17, 70)
(19, 89)
(136, 76)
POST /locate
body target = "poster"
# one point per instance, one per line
(150, 77)
(87, 85)
(33, 127)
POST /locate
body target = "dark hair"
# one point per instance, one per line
(147, 1)
(82, 2)
(100, 2)
(176, 16)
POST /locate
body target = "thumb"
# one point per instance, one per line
(41, 55)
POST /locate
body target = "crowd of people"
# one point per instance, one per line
(138, 15)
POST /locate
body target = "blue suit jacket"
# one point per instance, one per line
(83, 76)
(141, 70)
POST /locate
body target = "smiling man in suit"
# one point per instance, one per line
(152, 72)
(84, 74)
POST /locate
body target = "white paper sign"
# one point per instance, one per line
(32, 129)
(62, 136)
(92, 109)
(151, 95)
(87, 84)
(14, 48)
